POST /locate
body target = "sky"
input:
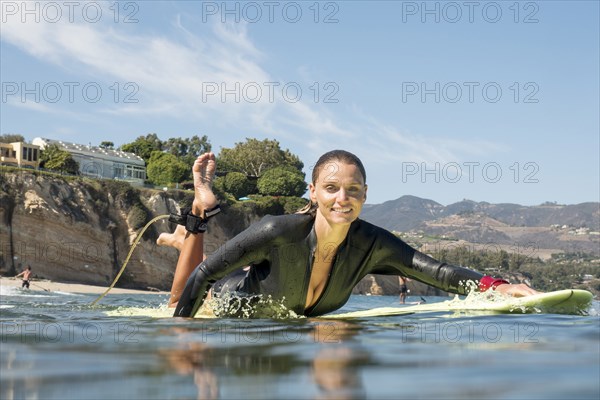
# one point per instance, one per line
(486, 101)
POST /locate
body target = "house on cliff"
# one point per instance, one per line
(19, 154)
(99, 162)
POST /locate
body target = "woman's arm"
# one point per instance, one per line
(407, 261)
(251, 246)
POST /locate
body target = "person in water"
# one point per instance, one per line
(26, 274)
(311, 260)
(403, 288)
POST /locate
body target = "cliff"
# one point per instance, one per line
(79, 230)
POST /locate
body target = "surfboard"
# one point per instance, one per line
(568, 301)
(160, 312)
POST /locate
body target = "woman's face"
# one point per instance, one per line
(339, 191)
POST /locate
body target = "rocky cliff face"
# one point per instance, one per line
(81, 231)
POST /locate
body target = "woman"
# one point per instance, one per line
(310, 260)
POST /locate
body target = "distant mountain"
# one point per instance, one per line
(402, 214)
(549, 226)
(408, 212)
(576, 215)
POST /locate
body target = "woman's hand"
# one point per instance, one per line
(517, 290)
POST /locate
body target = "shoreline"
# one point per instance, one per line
(46, 285)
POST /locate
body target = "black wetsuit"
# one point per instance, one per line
(281, 250)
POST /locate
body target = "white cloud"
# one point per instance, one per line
(173, 74)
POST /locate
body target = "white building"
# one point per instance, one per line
(19, 154)
(98, 162)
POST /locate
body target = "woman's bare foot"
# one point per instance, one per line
(174, 239)
(204, 198)
(204, 172)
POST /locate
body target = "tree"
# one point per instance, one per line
(11, 138)
(144, 146)
(254, 157)
(107, 145)
(236, 184)
(164, 168)
(176, 146)
(188, 149)
(197, 145)
(282, 181)
(54, 159)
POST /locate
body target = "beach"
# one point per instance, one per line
(46, 285)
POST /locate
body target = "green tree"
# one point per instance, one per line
(107, 145)
(196, 146)
(54, 159)
(254, 157)
(236, 184)
(282, 181)
(164, 168)
(176, 146)
(187, 149)
(11, 138)
(143, 146)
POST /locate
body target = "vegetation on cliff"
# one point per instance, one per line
(253, 167)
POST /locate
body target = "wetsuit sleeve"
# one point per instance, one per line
(397, 257)
(250, 246)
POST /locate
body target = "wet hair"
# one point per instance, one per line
(327, 158)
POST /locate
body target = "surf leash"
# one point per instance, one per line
(135, 243)
(31, 283)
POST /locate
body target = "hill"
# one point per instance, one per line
(544, 229)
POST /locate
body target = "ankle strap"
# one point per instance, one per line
(193, 223)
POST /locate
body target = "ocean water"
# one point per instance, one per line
(56, 346)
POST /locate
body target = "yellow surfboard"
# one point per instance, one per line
(569, 301)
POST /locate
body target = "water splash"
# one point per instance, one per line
(162, 311)
(244, 306)
(227, 305)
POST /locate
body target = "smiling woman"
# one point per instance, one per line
(307, 262)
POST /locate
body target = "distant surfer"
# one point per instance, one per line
(309, 261)
(26, 274)
(403, 289)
